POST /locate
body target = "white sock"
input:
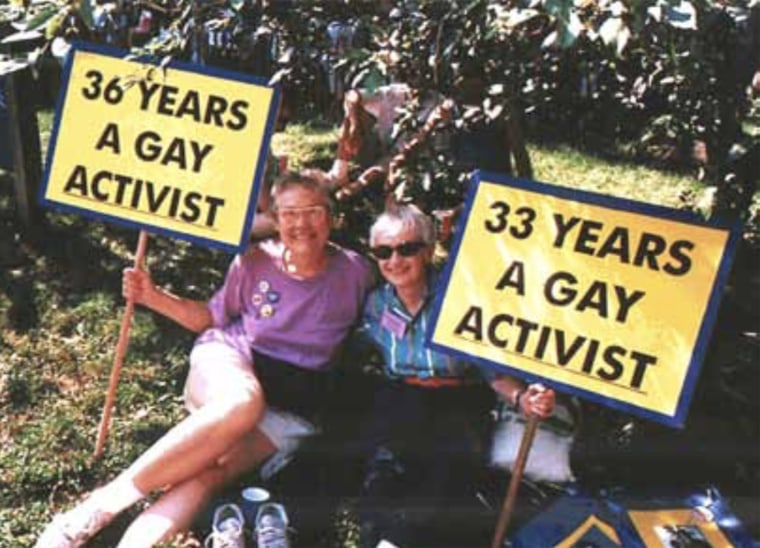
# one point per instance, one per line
(117, 496)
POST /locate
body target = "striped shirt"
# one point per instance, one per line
(400, 337)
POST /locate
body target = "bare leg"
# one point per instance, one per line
(175, 510)
(196, 442)
(228, 403)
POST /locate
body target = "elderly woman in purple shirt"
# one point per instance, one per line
(267, 338)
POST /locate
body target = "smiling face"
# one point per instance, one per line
(303, 220)
(404, 273)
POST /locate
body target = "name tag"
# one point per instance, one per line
(393, 323)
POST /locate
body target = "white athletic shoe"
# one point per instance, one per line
(227, 528)
(272, 526)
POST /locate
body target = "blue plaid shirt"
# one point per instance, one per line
(400, 337)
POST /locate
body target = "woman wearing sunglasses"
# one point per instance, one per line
(258, 369)
(427, 421)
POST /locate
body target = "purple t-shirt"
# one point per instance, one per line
(303, 322)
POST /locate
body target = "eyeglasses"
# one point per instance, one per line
(407, 249)
(310, 213)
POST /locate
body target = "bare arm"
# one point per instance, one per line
(190, 314)
(369, 176)
(439, 117)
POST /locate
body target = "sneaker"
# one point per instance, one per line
(74, 528)
(227, 528)
(272, 526)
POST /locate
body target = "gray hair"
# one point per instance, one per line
(291, 179)
(392, 222)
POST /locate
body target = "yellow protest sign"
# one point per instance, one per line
(607, 298)
(174, 150)
(677, 527)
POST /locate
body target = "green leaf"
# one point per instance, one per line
(682, 16)
(85, 10)
(41, 18)
(614, 32)
(569, 33)
(617, 9)
(514, 17)
(54, 24)
(610, 29)
(373, 79)
(622, 39)
(655, 12)
(550, 40)
(496, 89)
(560, 9)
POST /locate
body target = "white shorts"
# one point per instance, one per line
(214, 365)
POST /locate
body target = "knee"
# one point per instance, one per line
(243, 408)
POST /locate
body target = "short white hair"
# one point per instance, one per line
(400, 218)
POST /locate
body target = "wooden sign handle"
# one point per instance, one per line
(514, 483)
(121, 351)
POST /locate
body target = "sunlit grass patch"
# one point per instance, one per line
(306, 144)
(567, 167)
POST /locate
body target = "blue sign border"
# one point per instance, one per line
(188, 67)
(611, 202)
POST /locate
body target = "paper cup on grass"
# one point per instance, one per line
(251, 499)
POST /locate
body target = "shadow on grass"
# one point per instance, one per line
(61, 254)
(70, 256)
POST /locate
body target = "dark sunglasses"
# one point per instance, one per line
(407, 249)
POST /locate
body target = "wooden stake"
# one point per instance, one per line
(514, 483)
(121, 351)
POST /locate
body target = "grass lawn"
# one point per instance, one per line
(306, 144)
(60, 311)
